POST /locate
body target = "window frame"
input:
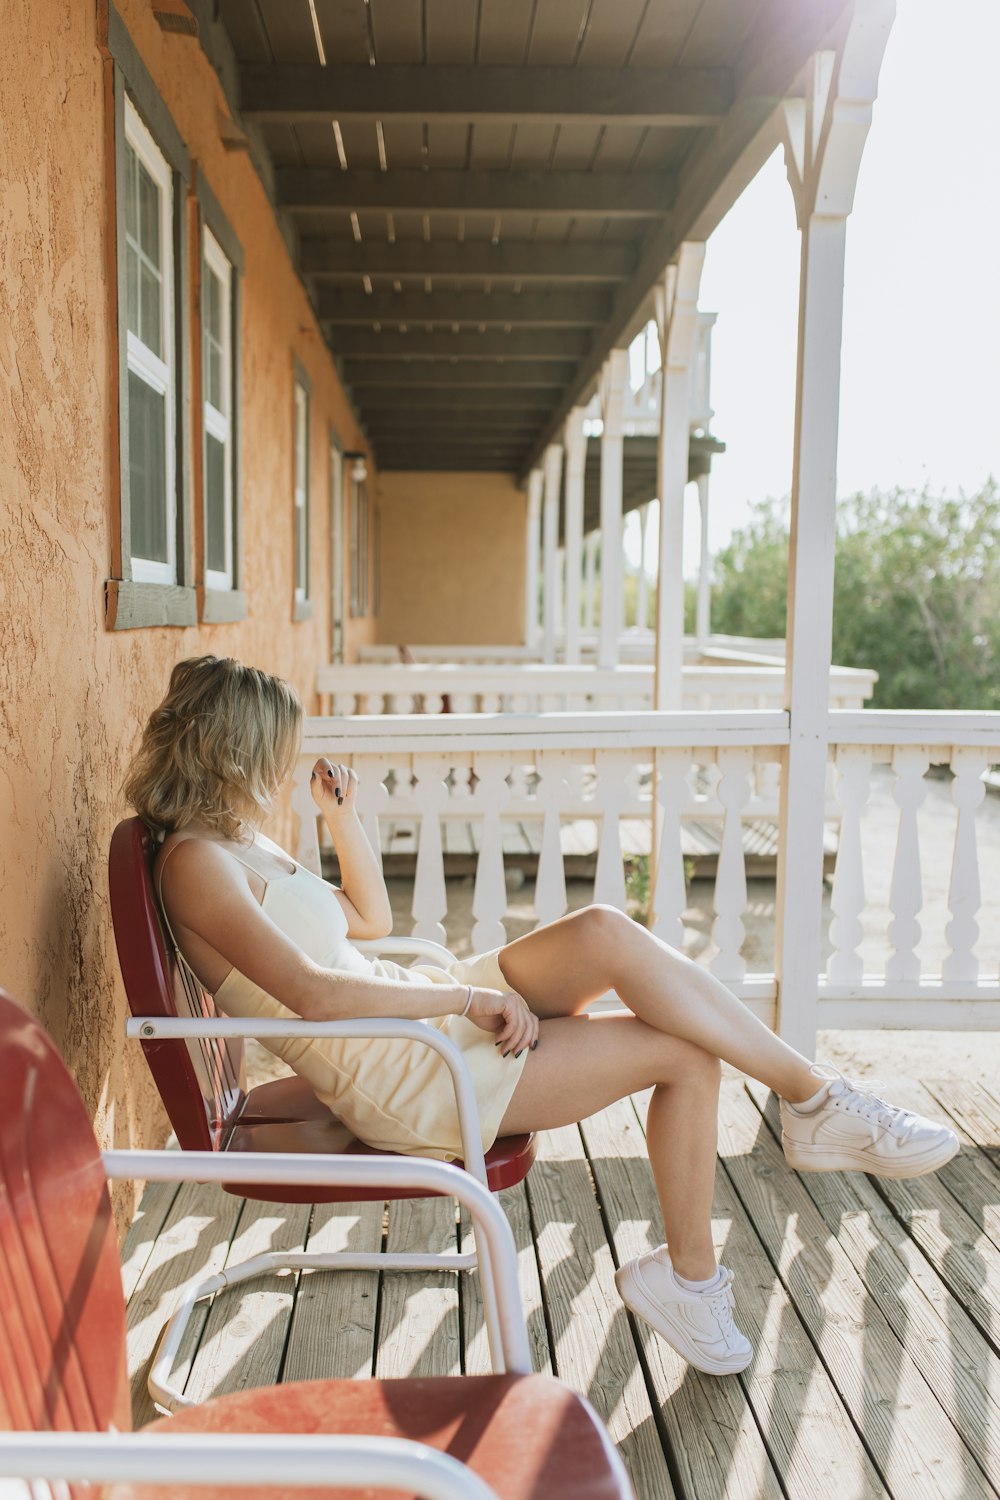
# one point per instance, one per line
(301, 492)
(133, 598)
(223, 602)
(359, 541)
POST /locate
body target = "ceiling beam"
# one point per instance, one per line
(460, 374)
(401, 463)
(523, 259)
(292, 92)
(460, 398)
(362, 343)
(609, 195)
(577, 309)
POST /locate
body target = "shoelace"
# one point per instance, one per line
(868, 1103)
(721, 1304)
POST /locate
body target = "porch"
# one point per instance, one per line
(872, 1305)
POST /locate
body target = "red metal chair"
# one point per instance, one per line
(197, 1061)
(64, 1394)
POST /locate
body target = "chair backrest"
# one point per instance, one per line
(62, 1314)
(202, 1083)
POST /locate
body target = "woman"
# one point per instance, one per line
(268, 938)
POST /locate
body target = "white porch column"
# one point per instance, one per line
(531, 555)
(591, 543)
(703, 620)
(642, 590)
(677, 322)
(550, 543)
(576, 462)
(613, 382)
(825, 135)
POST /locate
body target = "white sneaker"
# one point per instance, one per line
(853, 1129)
(699, 1325)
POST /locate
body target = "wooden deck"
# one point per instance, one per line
(874, 1307)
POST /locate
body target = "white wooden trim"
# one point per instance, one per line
(576, 459)
(550, 543)
(613, 386)
(531, 560)
(218, 423)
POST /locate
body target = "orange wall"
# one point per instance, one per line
(74, 695)
(453, 555)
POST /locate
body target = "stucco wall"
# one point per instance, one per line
(74, 695)
(453, 550)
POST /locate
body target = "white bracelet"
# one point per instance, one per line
(468, 1002)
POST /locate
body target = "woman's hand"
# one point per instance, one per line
(507, 1016)
(334, 788)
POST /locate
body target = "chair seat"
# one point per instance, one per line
(526, 1435)
(285, 1115)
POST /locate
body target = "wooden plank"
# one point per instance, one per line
(591, 1337)
(332, 1331)
(579, 308)
(717, 1448)
(244, 1337)
(910, 1439)
(538, 94)
(192, 1244)
(523, 259)
(602, 194)
(531, 343)
(418, 1320)
(947, 1348)
(974, 1108)
(475, 1348)
(140, 1242)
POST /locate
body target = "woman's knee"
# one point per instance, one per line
(603, 923)
(689, 1066)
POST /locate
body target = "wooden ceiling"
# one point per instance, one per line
(482, 193)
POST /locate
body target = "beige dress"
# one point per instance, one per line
(393, 1094)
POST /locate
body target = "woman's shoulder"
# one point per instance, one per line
(193, 859)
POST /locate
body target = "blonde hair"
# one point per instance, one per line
(217, 748)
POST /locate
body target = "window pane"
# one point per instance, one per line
(149, 309)
(149, 216)
(213, 376)
(215, 505)
(147, 452)
(132, 289)
(213, 304)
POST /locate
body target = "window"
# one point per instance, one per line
(151, 561)
(301, 516)
(221, 270)
(337, 568)
(216, 379)
(150, 355)
(359, 537)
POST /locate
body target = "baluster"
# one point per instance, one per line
(373, 797)
(670, 891)
(964, 897)
(550, 882)
(430, 893)
(610, 796)
(853, 785)
(489, 901)
(906, 893)
(371, 703)
(733, 792)
(491, 703)
(307, 852)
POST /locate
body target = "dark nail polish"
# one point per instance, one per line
(507, 1053)
(340, 800)
(534, 1044)
(518, 1054)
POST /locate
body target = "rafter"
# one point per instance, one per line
(392, 91)
(592, 194)
(522, 259)
(459, 398)
(579, 308)
(362, 343)
(524, 373)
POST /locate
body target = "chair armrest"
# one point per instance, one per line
(422, 1173)
(326, 1462)
(221, 1028)
(418, 947)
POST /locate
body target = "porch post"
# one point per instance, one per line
(591, 543)
(613, 382)
(703, 625)
(531, 558)
(677, 323)
(824, 136)
(550, 544)
(642, 588)
(576, 460)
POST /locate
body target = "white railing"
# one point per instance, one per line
(425, 687)
(554, 770)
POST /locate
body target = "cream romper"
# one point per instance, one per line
(393, 1094)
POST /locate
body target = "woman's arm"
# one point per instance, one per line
(363, 896)
(206, 894)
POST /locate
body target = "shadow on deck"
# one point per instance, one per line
(874, 1306)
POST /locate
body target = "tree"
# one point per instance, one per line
(916, 592)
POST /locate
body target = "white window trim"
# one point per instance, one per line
(218, 424)
(159, 374)
(301, 551)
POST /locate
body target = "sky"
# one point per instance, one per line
(920, 386)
